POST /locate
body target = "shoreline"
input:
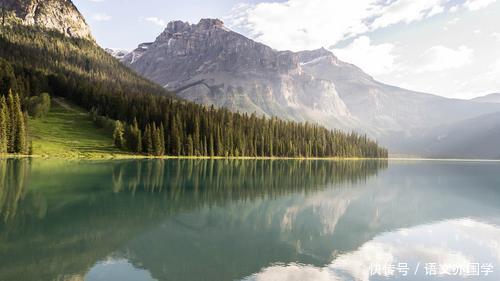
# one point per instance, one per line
(110, 157)
(104, 157)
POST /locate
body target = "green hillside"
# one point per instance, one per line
(69, 132)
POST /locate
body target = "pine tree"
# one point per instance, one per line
(18, 129)
(211, 146)
(11, 124)
(161, 132)
(21, 142)
(147, 141)
(3, 125)
(134, 137)
(175, 136)
(137, 136)
(190, 146)
(156, 135)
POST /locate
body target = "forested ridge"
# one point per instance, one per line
(149, 119)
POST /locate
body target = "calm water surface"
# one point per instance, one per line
(249, 220)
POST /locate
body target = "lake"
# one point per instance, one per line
(142, 220)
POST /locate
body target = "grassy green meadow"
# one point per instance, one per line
(69, 132)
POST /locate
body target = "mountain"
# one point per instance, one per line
(143, 117)
(491, 98)
(209, 64)
(61, 15)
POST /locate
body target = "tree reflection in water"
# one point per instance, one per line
(62, 217)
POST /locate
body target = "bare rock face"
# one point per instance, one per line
(61, 15)
(210, 64)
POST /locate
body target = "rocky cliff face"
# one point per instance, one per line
(210, 64)
(207, 63)
(61, 15)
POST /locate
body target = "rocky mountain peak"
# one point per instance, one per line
(61, 15)
(210, 23)
(175, 29)
(177, 26)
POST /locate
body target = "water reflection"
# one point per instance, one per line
(13, 179)
(63, 217)
(250, 220)
(449, 250)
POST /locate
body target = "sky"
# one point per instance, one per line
(444, 47)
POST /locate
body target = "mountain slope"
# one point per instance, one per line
(61, 15)
(397, 115)
(492, 98)
(477, 137)
(210, 64)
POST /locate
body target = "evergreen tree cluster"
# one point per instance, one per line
(187, 129)
(151, 120)
(13, 128)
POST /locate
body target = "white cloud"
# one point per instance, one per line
(101, 17)
(439, 58)
(156, 21)
(96, 0)
(374, 59)
(475, 5)
(310, 24)
(482, 84)
(408, 11)
(454, 8)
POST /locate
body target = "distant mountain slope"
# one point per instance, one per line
(61, 15)
(491, 98)
(209, 64)
(393, 114)
(478, 137)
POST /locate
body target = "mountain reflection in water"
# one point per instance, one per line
(243, 219)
